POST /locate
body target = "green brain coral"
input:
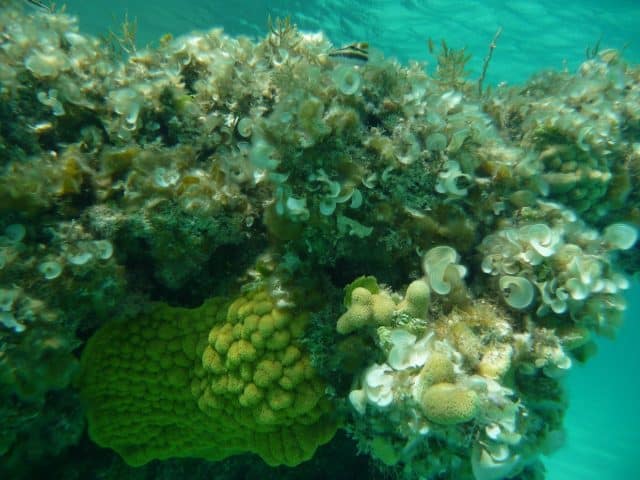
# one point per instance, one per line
(449, 404)
(209, 382)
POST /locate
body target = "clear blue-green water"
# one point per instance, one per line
(603, 421)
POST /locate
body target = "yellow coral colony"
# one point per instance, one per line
(366, 309)
(449, 404)
(208, 382)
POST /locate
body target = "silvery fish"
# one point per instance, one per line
(40, 4)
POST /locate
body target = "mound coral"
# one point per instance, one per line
(448, 404)
(208, 382)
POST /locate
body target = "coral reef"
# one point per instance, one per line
(449, 395)
(142, 189)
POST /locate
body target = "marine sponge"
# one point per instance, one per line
(208, 382)
(449, 404)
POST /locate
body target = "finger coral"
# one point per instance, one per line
(367, 309)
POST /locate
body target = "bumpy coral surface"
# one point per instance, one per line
(208, 382)
(457, 391)
(132, 179)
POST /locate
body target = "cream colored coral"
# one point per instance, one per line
(416, 300)
(496, 361)
(366, 309)
(437, 369)
(449, 404)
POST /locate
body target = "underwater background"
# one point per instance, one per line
(603, 419)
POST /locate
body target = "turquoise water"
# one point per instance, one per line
(537, 34)
(603, 421)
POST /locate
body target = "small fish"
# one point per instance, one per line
(40, 4)
(356, 52)
(41, 127)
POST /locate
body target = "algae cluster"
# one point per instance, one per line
(211, 168)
